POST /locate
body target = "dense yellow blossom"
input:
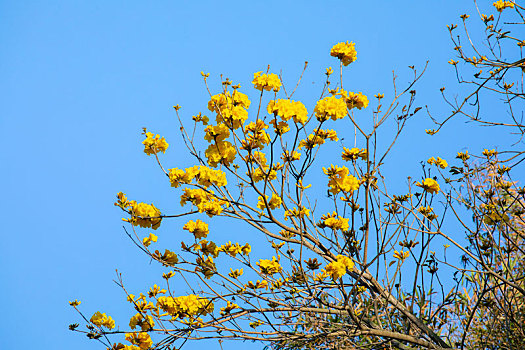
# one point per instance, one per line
(198, 228)
(274, 203)
(429, 185)
(142, 340)
(145, 323)
(266, 82)
(148, 240)
(185, 306)
(337, 268)
(269, 267)
(330, 107)
(340, 180)
(144, 215)
(99, 319)
(230, 109)
(438, 162)
(256, 136)
(203, 200)
(214, 133)
(207, 248)
(221, 152)
(318, 138)
(354, 153)
(204, 175)
(345, 52)
(500, 5)
(258, 174)
(154, 144)
(334, 222)
(288, 109)
(353, 100)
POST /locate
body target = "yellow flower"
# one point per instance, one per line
(337, 268)
(235, 273)
(345, 52)
(74, 303)
(354, 100)
(340, 180)
(288, 109)
(330, 107)
(273, 203)
(334, 222)
(401, 255)
(148, 240)
(154, 144)
(297, 213)
(266, 82)
(429, 185)
(354, 153)
(269, 267)
(99, 319)
(221, 152)
(168, 258)
(144, 215)
(216, 133)
(500, 5)
(198, 228)
(438, 162)
(145, 324)
(229, 307)
(185, 306)
(142, 340)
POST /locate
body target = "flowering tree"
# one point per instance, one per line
(353, 265)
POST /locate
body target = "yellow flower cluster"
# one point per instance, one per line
(150, 239)
(198, 228)
(221, 152)
(438, 162)
(142, 340)
(345, 52)
(340, 180)
(401, 255)
(228, 308)
(203, 200)
(142, 214)
(154, 144)
(185, 306)
(290, 157)
(354, 100)
(257, 285)
(266, 82)
(318, 138)
(99, 319)
(206, 266)
(207, 248)
(337, 269)
(288, 109)
(234, 249)
(354, 153)
(235, 273)
(334, 222)
(296, 213)
(256, 136)
(428, 212)
(214, 133)
(330, 107)
(429, 185)
(169, 258)
(204, 176)
(269, 267)
(274, 203)
(500, 5)
(231, 109)
(145, 323)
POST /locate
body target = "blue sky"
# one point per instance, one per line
(81, 78)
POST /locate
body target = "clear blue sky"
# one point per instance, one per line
(79, 79)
